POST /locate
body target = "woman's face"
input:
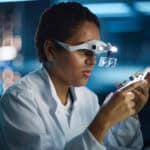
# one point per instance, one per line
(74, 68)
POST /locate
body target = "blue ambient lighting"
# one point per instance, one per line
(7, 1)
(110, 9)
(143, 7)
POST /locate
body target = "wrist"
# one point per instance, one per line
(100, 126)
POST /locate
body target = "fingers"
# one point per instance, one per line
(120, 107)
(132, 85)
(142, 96)
(143, 89)
(147, 77)
(130, 104)
(129, 96)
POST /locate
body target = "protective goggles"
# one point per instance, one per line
(97, 47)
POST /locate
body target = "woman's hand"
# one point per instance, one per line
(120, 106)
(141, 94)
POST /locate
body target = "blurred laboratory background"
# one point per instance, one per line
(124, 23)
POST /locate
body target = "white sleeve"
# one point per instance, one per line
(123, 136)
(126, 135)
(86, 141)
(21, 128)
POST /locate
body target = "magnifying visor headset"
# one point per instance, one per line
(97, 47)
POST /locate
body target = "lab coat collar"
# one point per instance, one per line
(53, 91)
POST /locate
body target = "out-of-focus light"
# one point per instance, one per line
(17, 42)
(6, 1)
(7, 53)
(7, 75)
(114, 49)
(110, 9)
(143, 7)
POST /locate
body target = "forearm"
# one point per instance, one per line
(99, 126)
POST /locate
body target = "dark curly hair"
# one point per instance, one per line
(60, 22)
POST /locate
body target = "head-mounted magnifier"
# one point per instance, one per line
(97, 47)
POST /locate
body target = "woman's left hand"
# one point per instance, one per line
(142, 94)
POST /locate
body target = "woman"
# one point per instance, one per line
(50, 109)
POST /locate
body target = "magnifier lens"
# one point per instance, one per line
(110, 62)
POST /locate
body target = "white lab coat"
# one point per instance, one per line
(32, 118)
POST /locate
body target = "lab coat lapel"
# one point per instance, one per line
(77, 125)
(56, 106)
(48, 95)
